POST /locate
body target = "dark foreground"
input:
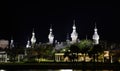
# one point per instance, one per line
(61, 65)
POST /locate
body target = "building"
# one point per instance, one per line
(74, 34)
(95, 36)
(51, 36)
(3, 55)
(60, 45)
(33, 39)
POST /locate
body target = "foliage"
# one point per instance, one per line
(14, 52)
(82, 47)
(65, 49)
(41, 51)
(96, 49)
(85, 45)
(74, 48)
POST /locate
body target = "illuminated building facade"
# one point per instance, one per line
(74, 34)
(33, 39)
(3, 54)
(95, 36)
(28, 44)
(51, 36)
(59, 45)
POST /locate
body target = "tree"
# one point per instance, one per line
(14, 52)
(45, 51)
(85, 46)
(74, 50)
(65, 49)
(95, 50)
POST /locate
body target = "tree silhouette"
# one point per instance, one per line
(95, 50)
(74, 50)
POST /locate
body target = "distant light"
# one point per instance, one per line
(66, 70)
(64, 50)
(2, 70)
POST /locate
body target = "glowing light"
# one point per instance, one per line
(2, 70)
(66, 70)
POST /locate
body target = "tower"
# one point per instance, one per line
(11, 43)
(51, 36)
(95, 36)
(33, 39)
(28, 44)
(74, 34)
(68, 40)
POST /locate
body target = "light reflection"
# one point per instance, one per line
(66, 70)
(2, 70)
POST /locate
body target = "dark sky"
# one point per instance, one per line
(21, 18)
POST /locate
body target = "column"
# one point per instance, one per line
(111, 59)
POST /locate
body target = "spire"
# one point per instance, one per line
(74, 27)
(95, 25)
(33, 33)
(50, 28)
(11, 43)
(74, 34)
(33, 39)
(33, 29)
(51, 36)
(67, 38)
(74, 21)
(28, 44)
(95, 29)
(95, 35)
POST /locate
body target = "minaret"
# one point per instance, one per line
(51, 36)
(11, 43)
(68, 40)
(95, 36)
(74, 34)
(33, 39)
(28, 44)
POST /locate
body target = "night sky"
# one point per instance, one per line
(20, 19)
